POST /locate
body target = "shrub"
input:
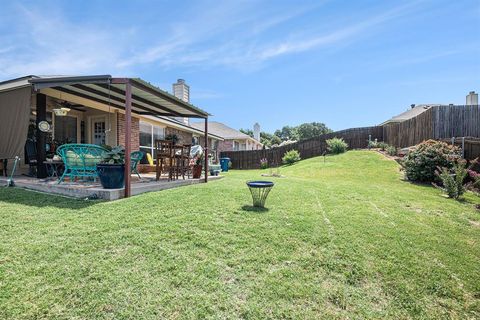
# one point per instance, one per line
(391, 150)
(291, 157)
(263, 163)
(452, 180)
(382, 145)
(372, 143)
(420, 163)
(336, 145)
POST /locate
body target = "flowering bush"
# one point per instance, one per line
(420, 163)
(263, 163)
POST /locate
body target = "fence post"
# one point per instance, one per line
(463, 147)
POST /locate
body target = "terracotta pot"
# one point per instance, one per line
(197, 171)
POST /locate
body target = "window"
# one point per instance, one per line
(236, 146)
(195, 141)
(148, 134)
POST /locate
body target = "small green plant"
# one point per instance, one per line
(290, 157)
(372, 144)
(383, 145)
(115, 156)
(336, 145)
(452, 180)
(391, 150)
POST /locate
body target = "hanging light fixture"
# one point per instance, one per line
(63, 108)
(61, 112)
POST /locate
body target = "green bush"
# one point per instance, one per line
(391, 150)
(420, 163)
(452, 180)
(336, 145)
(291, 157)
(382, 145)
(372, 144)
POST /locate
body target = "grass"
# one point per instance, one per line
(342, 239)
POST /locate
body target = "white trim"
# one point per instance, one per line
(91, 120)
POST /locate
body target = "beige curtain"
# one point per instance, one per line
(14, 116)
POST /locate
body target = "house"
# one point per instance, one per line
(98, 109)
(233, 140)
(414, 111)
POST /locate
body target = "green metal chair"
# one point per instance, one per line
(135, 158)
(80, 160)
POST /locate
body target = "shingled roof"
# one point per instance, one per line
(410, 113)
(222, 130)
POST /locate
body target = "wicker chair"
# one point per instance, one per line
(80, 160)
(135, 158)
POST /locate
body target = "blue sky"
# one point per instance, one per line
(345, 63)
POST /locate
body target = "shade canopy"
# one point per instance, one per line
(146, 98)
(14, 113)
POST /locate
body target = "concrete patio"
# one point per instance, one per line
(94, 190)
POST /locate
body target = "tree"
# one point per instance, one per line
(287, 133)
(248, 132)
(310, 130)
(269, 139)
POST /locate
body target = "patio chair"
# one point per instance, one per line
(31, 157)
(135, 158)
(183, 162)
(164, 155)
(80, 160)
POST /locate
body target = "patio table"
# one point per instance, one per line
(53, 168)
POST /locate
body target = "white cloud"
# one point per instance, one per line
(237, 35)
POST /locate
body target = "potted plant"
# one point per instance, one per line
(111, 170)
(172, 137)
(197, 166)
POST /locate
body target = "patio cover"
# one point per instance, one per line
(14, 119)
(146, 98)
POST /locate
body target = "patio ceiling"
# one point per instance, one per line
(146, 98)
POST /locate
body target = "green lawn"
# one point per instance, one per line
(342, 239)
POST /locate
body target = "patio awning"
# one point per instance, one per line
(146, 98)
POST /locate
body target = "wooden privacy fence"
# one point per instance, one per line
(470, 146)
(438, 122)
(356, 138)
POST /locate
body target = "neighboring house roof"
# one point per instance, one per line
(411, 113)
(174, 123)
(223, 131)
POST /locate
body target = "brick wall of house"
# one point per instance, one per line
(135, 131)
(183, 137)
(226, 145)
